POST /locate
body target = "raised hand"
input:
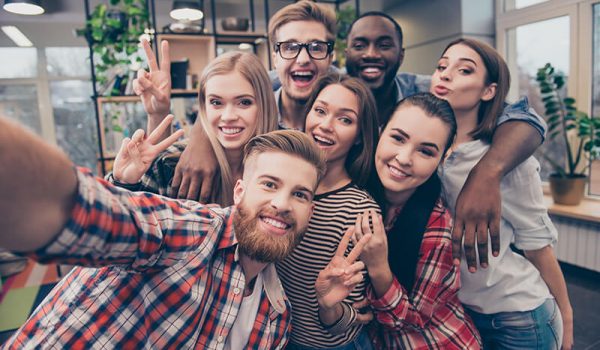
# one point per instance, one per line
(154, 87)
(342, 274)
(375, 252)
(136, 154)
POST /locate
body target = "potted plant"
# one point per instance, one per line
(114, 31)
(578, 134)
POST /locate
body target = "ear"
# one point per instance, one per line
(274, 58)
(401, 57)
(489, 92)
(238, 191)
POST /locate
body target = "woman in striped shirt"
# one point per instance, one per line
(341, 118)
(414, 285)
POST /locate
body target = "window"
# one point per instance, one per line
(23, 62)
(564, 33)
(20, 103)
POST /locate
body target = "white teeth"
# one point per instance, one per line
(324, 140)
(231, 131)
(397, 172)
(371, 70)
(303, 74)
(273, 222)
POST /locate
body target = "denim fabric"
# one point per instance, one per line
(540, 328)
(361, 342)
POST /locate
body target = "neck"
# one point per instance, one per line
(234, 158)
(335, 177)
(385, 97)
(251, 267)
(398, 199)
(292, 112)
(466, 121)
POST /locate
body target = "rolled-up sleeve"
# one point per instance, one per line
(524, 209)
(521, 111)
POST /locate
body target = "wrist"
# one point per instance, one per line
(492, 171)
(380, 271)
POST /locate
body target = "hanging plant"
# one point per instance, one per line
(114, 30)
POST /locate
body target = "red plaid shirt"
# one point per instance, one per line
(167, 276)
(431, 316)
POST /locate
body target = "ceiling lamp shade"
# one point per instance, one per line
(24, 7)
(186, 10)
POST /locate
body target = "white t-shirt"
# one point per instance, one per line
(242, 326)
(511, 282)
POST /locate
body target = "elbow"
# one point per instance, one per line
(538, 254)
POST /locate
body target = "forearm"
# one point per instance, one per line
(381, 279)
(545, 261)
(513, 142)
(154, 121)
(38, 187)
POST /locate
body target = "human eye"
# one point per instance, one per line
(318, 46)
(268, 184)
(397, 137)
(246, 102)
(440, 67)
(301, 195)
(427, 152)
(465, 70)
(215, 102)
(358, 45)
(290, 47)
(386, 45)
(346, 120)
(319, 110)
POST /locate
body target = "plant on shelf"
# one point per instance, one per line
(114, 30)
(577, 132)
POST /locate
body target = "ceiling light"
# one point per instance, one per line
(24, 7)
(186, 10)
(17, 36)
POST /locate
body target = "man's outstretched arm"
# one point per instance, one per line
(478, 204)
(38, 186)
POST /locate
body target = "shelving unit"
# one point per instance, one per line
(199, 49)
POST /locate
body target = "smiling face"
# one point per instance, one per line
(299, 75)
(460, 78)
(374, 51)
(274, 205)
(409, 151)
(231, 109)
(333, 121)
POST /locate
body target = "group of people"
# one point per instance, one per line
(359, 224)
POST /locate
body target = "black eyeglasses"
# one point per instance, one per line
(317, 50)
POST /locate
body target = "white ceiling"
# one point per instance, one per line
(56, 26)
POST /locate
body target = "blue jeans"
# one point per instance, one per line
(361, 342)
(540, 328)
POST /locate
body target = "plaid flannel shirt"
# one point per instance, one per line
(166, 275)
(431, 316)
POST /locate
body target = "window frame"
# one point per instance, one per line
(580, 14)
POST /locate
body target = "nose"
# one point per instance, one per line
(303, 57)
(281, 202)
(372, 52)
(326, 123)
(445, 75)
(229, 113)
(404, 156)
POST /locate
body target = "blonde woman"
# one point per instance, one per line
(235, 104)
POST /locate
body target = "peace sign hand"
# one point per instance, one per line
(154, 87)
(342, 274)
(375, 252)
(137, 154)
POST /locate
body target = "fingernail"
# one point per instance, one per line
(456, 262)
(472, 269)
(484, 265)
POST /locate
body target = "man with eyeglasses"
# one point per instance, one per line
(302, 36)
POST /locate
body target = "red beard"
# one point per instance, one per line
(262, 246)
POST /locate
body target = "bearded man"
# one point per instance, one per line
(155, 272)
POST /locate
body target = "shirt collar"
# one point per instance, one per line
(271, 283)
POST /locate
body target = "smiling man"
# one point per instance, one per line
(302, 37)
(155, 272)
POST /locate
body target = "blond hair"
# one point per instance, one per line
(250, 67)
(290, 142)
(303, 11)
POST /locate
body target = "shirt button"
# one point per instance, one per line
(220, 339)
(236, 291)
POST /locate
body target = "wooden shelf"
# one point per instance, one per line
(118, 99)
(587, 210)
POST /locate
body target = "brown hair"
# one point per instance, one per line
(497, 72)
(250, 67)
(291, 142)
(360, 158)
(303, 11)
